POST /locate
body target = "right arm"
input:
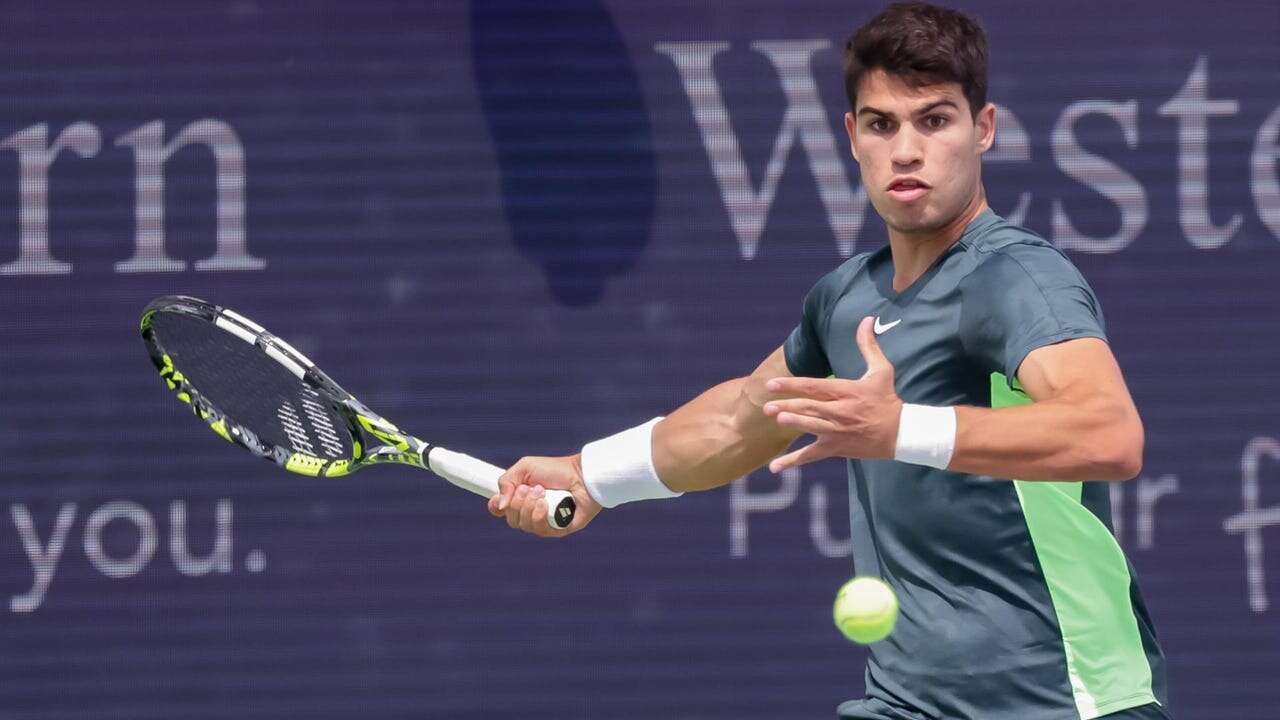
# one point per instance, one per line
(723, 433)
(709, 441)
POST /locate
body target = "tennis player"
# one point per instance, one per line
(963, 373)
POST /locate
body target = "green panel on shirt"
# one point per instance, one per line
(1088, 580)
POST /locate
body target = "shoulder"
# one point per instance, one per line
(1014, 271)
(822, 299)
(837, 282)
(1005, 254)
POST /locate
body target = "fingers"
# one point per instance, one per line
(521, 499)
(807, 454)
(527, 510)
(814, 388)
(806, 423)
(802, 414)
(870, 347)
(513, 510)
(798, 406)
(534, 501)
(507, 485)
(538, 523)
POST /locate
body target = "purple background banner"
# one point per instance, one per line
(514, 227)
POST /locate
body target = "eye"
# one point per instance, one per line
(936, 122)
(879, 125)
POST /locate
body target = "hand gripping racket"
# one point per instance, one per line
(256, 391)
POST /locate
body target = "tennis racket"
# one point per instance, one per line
(254, 390)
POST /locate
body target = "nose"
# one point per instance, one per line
(906, 147)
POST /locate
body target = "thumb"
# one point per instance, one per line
(507, 484)
(870, 348)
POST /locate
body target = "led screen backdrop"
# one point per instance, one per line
(514, 227)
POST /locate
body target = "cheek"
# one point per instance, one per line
(870, 163)
(864, 154)
(957, 162)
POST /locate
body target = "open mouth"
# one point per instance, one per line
(907, 189)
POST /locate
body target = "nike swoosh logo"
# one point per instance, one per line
(881, 328)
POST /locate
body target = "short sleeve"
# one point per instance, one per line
(1023, 297)
(803, 349)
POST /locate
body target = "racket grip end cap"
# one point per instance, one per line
(561, 508)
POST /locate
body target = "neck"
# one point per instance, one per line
(914, 252)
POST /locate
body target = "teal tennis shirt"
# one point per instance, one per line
(1017, 603)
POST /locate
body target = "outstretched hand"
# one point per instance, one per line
(848, 418)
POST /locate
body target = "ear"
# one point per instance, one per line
(851, 129)
(985, 126)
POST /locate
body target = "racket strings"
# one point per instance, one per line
(251, 389)
(294, 429)
(319, 416)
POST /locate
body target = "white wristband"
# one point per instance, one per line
(619, 468)
(926, 435)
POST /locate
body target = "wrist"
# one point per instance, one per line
(890, 451)
(926, 435)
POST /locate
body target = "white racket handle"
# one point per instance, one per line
(481, 478)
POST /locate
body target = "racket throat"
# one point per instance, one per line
(423, 452)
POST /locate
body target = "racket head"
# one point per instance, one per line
(256, 391)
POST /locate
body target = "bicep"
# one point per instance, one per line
(1080, 369)
(1092, 407)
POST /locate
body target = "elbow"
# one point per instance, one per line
(1119, 456)
(1125, 466)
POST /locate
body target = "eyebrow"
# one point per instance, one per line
(868, 110)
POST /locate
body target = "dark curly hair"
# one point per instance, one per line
(922, 44)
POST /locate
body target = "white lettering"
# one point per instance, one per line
(1264, 164)
(743, 502)
(820, 531)
(100, 518)
(219, 558)
(1099, 174)
(1193, 107)
(44, 559)
(804, 118)
(35, 156)
(1150, 491)
(150, 155)
(1251, 520)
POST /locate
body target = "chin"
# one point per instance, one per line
(913, 222)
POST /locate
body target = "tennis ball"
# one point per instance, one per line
(866, 610)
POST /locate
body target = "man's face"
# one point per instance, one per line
(925, 133)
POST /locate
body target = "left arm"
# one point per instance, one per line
(1082, 426)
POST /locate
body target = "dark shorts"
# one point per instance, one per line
(872, 709)
(1151, 711)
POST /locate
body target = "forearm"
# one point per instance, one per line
(717, 437)
(1060, 439)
